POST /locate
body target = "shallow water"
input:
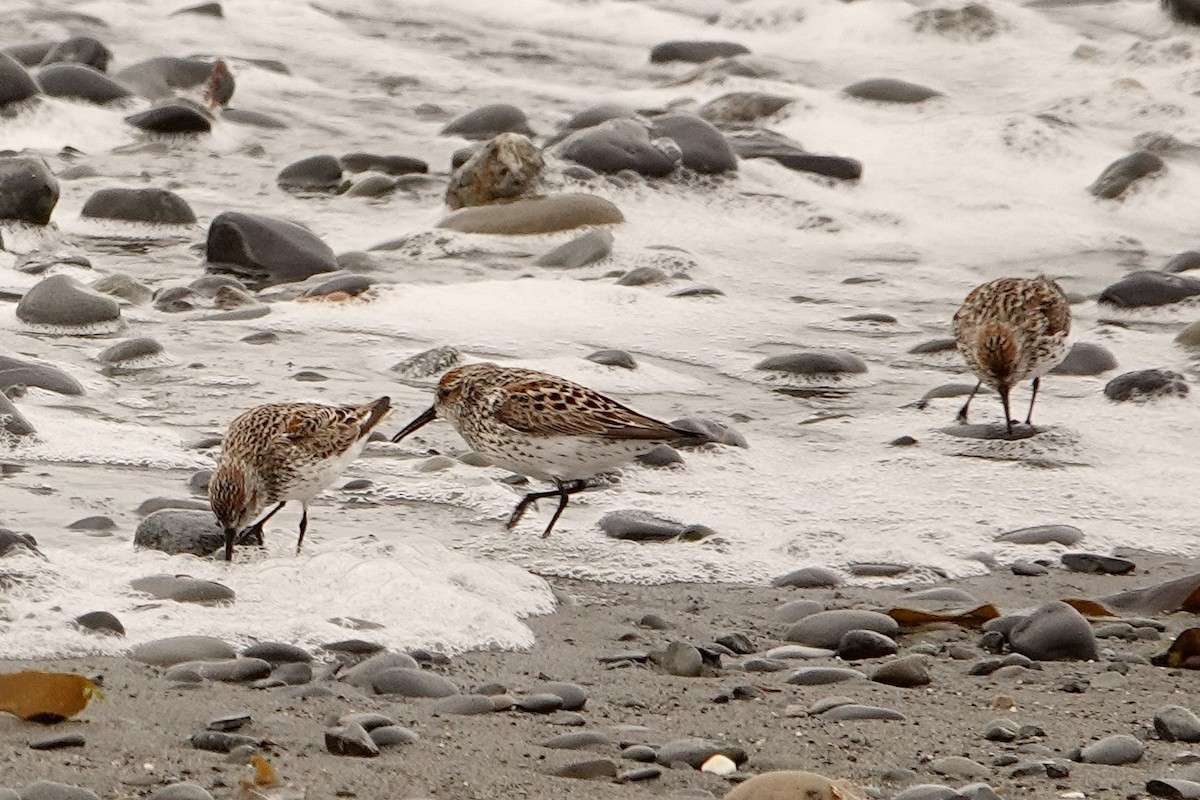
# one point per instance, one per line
(987, 181)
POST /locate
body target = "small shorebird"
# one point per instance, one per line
(541, 426)
(1009, 330)
(281, 452)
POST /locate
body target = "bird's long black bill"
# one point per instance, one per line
(429, 416)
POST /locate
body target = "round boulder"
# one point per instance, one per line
(265, 251)
(61, 300)
(510, 165)
(15, 83)
(890, 90)
(826, 628)
(1086, 358)
(321, 173)
(530, 215)
(80, 82)
(1054, 632)
(695, 52)
(811, 363)
(28, 189)
(172, 117)
(704, 148)
(1146, 384)
(15, 372)
(79, 50)
(1149, 288)
(158, 206)
(1124, 172)
(488, 121)
(177, 531)
(615, 145)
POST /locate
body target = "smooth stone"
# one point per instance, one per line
(569, 719)
(959, 767)
(80, 82)
(1054, 632)
(641, 526)
(464, 705)
(877, 570)
(814, 363)
(179, 649)
(28, 189)
(849, 712)
(642, 774)
(826, 628)
(704, 148)
(1173, 788)
(819, 676)
(160, 76)
(787, 785)
(101, 622)
(1189, 336)
(940, 345)
(796, 610)
(11, 542)
(293, 674)
(592, 246)
(183, 589)
(642, 276)
(16, 372)
(1029, 569)
(1118, 176)
(1182, 262)
(130, 350)
(1146, 384)
(1067, 535)
(623, 360)
(582, 740)
(1149, 288)
(619, 144)
(393, 735)
(180, 531)
(62, 300)
(548, 214)
(256, 119)
(640, 753)
(219, 742)
(1085, 358)
(765, 665)
(906, 672)
(12, 420)
(352, 741)
(172, 118)
(265, 251)
(181, 791)
(860, 644)
(809, 578)
(79, 50)
(508, 166)
(352, 285)
(1113, 750)
(539, 703)
(574, 697)
(680, 658)
(356, 647)
(322, 173)
(59, 742)
(488, 121)
(741, 107)
(159, 503)
(695, 52)
(28, 54)
(788, 153)
(587, 770)
(594, 115)
(230, 722)
(16, 85)
(1096, 564)
(369, 720)
(694, 752)
(232, 670)
(123, 287)
(50, 790)
(389, 165)
(1177, 724)
(157, 206)
(409, 682)
(202, 10)
(890, 90)
(799, 652)
(371, 185)
(278, 653)
(928, 791)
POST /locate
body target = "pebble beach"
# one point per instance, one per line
(754, 220)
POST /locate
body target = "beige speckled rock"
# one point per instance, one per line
(559, 212)
(794, 785)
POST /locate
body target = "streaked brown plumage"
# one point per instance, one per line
(541, 426)
(1009, 330)
(281, 452)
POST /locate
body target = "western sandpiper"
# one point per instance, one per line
(541, 426)
(281, 452)
(1009, 330)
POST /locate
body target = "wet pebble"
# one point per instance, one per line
(613, 358)
(907, 672)
(1113, 750)
(393, 735)
(695, 52)
(179, 531)
(642, 526)
(890, 90)
(233, 670)
(171, 118)
(321, 173)
(1053, 632)
(1067, 535)
(582, 740)
(1121, 174)
(278, 653)
(573, 696)
(694, 752)
(1177, 724)
(533, 215)
(809, 578)
(819, 676)
(58, 742)
(1096, 564)
(539, 703)
(183, 589)
(488, 121)
(704, 148)
(178, 649)
(265, 251)
(850, 712)
(101, 622)
(149, 205)
(18, 372)
(28, 189)
(464, 705)
(181, 791)
(860, 644)
(1086, 358)
(587, 248)
(826, 628)
(1149, 288)
(639, 752)
(351, 740)
(409, 682)
(62, 300)
(814, 363)
(1146, 384)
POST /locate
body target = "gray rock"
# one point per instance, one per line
(130, 350)
(61, 300)
(158, 77)
(1149, 288)
(159, 503)
(533, 215)
(178, 531)
(124, 287)
(363, 675)
(694, 752)
(352, 285)
(464, 705)
(265, 251)
(814, 363)
(1067, 535)
(321, 173)
(172, 117)
(371, 185)
(15, 84)
(642, 276)
(826, 628)
(594, 115)
(959, 767)
(907, 672)
(12, 420)
(617, 145)
(796, 610)
(256, 119)
(488, 121)
(1096, 564)
(860, 644)
(1029, 569)
(1173, 788)
(219, 742)
(1177, 724)
(181, 791)
(79, 50)
(1146, 384)
(928, 791)
(809, 578)
(1085, 358)
(819, 676)
(1118, 176)
(1113, 750)
(229, 722)
(80, 82)
(639, 752)
(508, 166)
(758, 143)
(583, 740)
(178, 649)
(278, 653)
(17, 372)
(592, 246)
(49, 790)
(619, 358)
(293, 674)
(680, 658)
(586, 770)
(852, 712)
(393, 735)
(183, 589)
(704, 148)
(28, 189)
(1054, 632)
(890, 90)
(1182, 262)
(641, 526)
(368, 720)
(389, 165)
(643, 774)
(737, 108)
(202, 10)
(540, 703)
(101, 622)
(351, 740)
(695, 52)
(229, 670)
(574, 697)
(157, 206)
(58, 742)
(409, 682)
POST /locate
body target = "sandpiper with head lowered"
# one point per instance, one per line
(1009, 330)
(284, 452)
(542, 426)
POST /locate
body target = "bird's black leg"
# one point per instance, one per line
(1008, 420)
(1037, 383)
(254, 534)
(303, 528)
(561, 491)
(565, 490)
(962, 412)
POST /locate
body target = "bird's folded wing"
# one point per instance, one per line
(542, 411)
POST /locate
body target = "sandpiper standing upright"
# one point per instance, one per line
(542, 426)
(282, 452)
(1009, 330)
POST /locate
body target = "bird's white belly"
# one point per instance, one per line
(314, 477)
(563, 458)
